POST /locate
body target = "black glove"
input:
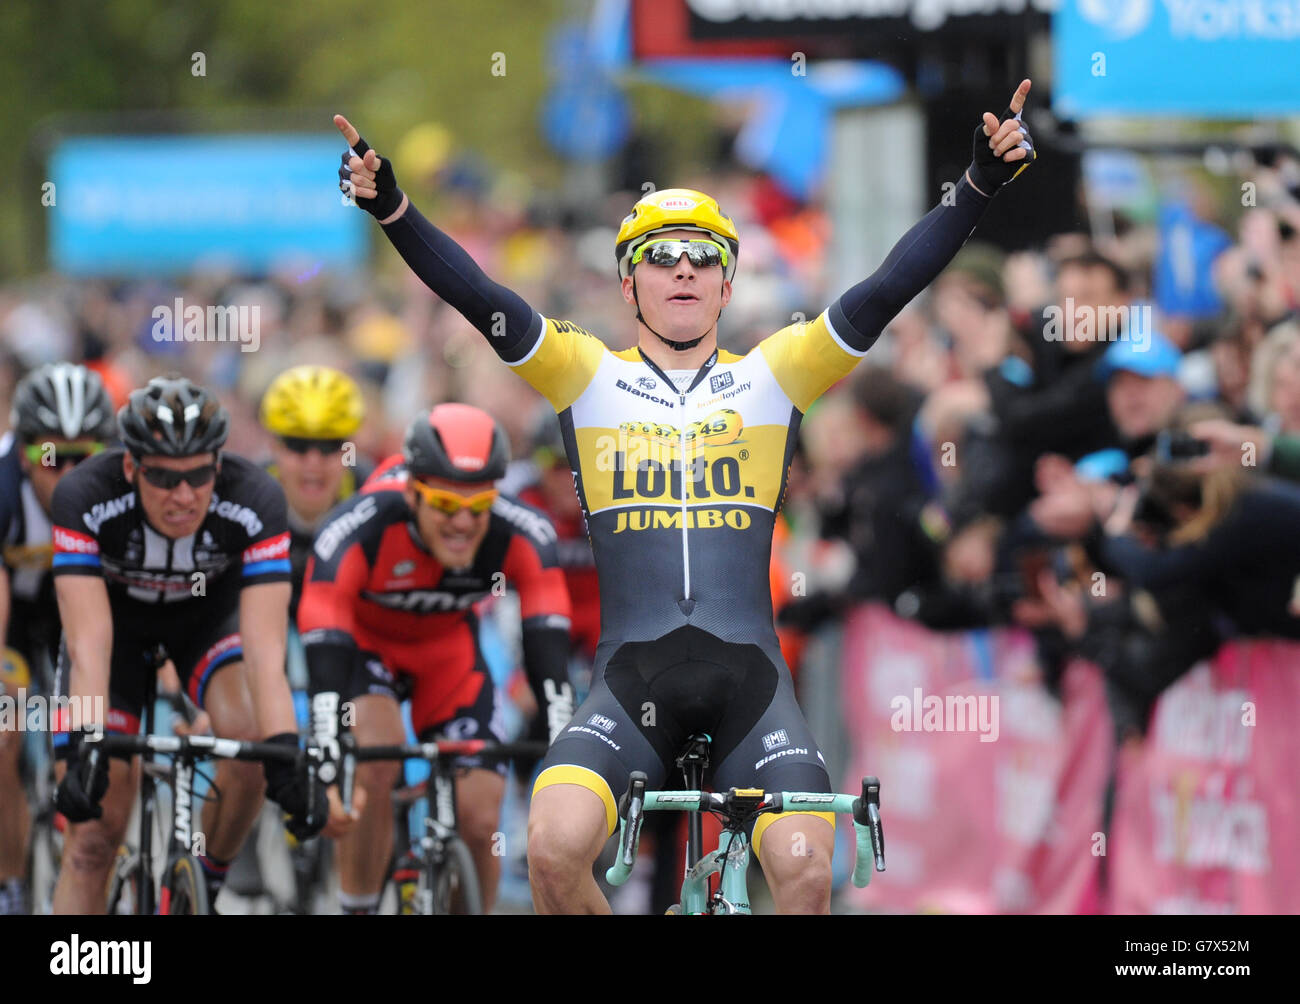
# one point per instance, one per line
(387, 195)
(289, 786)
(988, 172)
(83, 785)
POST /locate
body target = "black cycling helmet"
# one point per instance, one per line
(62, 401)
(172, 417)
(457, 442)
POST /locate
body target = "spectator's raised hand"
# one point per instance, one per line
(1230, 444)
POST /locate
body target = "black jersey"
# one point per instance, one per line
(100, 529)
(24, 529)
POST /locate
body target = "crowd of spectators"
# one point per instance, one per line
(1125, 494)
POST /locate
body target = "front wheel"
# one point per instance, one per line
(453, 883)
(185, 891)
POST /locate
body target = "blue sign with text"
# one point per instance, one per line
(1220, 58)
(161, 205)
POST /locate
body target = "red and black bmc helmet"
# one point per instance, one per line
(457, 442)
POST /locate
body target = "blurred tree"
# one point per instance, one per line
(477, 66)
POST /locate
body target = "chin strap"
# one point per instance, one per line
(675, 346)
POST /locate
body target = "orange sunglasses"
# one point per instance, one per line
(450, 503)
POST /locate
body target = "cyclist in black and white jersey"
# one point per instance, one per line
(172, 542)
(61, 415)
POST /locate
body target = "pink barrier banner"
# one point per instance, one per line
(991, 789)
(1207, 814)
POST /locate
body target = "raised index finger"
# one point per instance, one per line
(345, 127)
(1018, 99)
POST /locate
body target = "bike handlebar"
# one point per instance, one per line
(740, 805)
(438, 749)
(203, 746)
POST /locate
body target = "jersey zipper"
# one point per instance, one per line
(687, 602)
(686, 547)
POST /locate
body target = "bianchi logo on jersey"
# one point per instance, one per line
(792, 751)
(774, 739)
(624, 385)
(602, 723)
(647, 383)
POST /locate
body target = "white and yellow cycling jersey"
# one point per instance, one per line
(674, 550)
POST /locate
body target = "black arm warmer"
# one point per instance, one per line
(921, 254)
(447, 269)
(546, 664)
(331, 659)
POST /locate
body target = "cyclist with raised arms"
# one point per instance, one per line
(680, 453)
(172, 542)
(388, 614)
(61, 415)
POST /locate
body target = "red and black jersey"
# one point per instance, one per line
(99, 528)
(369, 571)
(372, 586)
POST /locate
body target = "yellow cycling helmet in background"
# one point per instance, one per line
(312, 402)
(675, 209)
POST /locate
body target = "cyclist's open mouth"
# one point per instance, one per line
(457, 543)
(684, 298)
(178, 517)
(310, 484)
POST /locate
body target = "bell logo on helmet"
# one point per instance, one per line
(677, 202)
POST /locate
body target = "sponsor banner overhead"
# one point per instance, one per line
(1227, 58)
(887, 20)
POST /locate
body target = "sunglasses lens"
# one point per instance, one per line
(668, 253)
(450, 503)
(296, 444)
(196, 477)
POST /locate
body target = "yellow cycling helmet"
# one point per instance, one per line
(312, 402)
(675, 209)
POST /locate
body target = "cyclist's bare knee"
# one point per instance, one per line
(478, 806)
(567, 828)
(92, 847)
(795, 853)
(230, 705)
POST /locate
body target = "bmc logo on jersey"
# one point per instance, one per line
(720, 381)
(68, 541)
(774, 739)
(424, 601)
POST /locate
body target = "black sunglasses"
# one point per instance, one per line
(301, 445)
(195, 477)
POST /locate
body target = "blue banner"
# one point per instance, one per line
(162, 205)
(1218, 58)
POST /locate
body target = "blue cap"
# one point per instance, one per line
(1152, 356)
(1102, 465)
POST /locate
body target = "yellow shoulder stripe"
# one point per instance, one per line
(562, 362)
